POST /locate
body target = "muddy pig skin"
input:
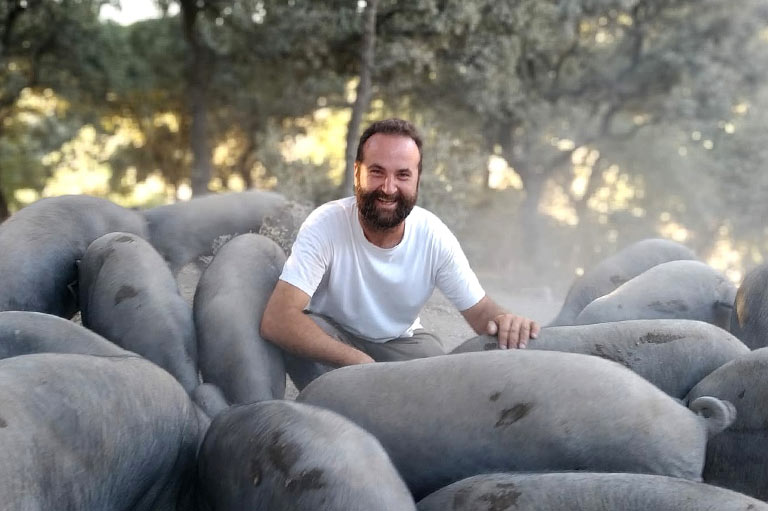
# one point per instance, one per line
(229, 302)
(673, 290)
(449, 417)
(129, 296)
(288, 456)
(41, 244)
(25, 333)
(585, 491)
(183, 231)
(749, 321)
(614, 271)
(673, 354)
(90, 432)
(738, 457)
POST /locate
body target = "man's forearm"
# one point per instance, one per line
(297, 333)
(485, 311)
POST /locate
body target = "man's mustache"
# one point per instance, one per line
(379, 194)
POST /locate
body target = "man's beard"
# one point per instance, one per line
(381, 220)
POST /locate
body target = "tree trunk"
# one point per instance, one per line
(527, 245)
(244, 162)
(363, 97)
(201, 171)
(200, 71)
(583, 255)
(530, 240)
(4, 211)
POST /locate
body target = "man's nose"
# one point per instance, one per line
(389, 185)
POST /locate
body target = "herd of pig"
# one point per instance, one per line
(635, 397)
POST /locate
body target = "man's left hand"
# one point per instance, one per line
(513, 331)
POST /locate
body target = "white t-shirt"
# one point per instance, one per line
(377, 293)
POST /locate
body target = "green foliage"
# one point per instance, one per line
(297, 180)
(617, 76)
(273, 60)
(54, 44)
(20, 164)
(655, 88)
(151, 95)
(46, 46)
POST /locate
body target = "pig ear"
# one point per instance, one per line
(718, 413)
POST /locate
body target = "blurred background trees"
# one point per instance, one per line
(555, 130)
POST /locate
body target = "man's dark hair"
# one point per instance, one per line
(389, 127)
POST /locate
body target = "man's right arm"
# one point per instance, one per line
(285, 324)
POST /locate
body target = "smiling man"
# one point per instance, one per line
(363, 267)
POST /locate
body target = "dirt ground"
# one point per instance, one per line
(439, 315)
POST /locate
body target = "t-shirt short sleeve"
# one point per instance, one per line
(309, 258)
(455, 278)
